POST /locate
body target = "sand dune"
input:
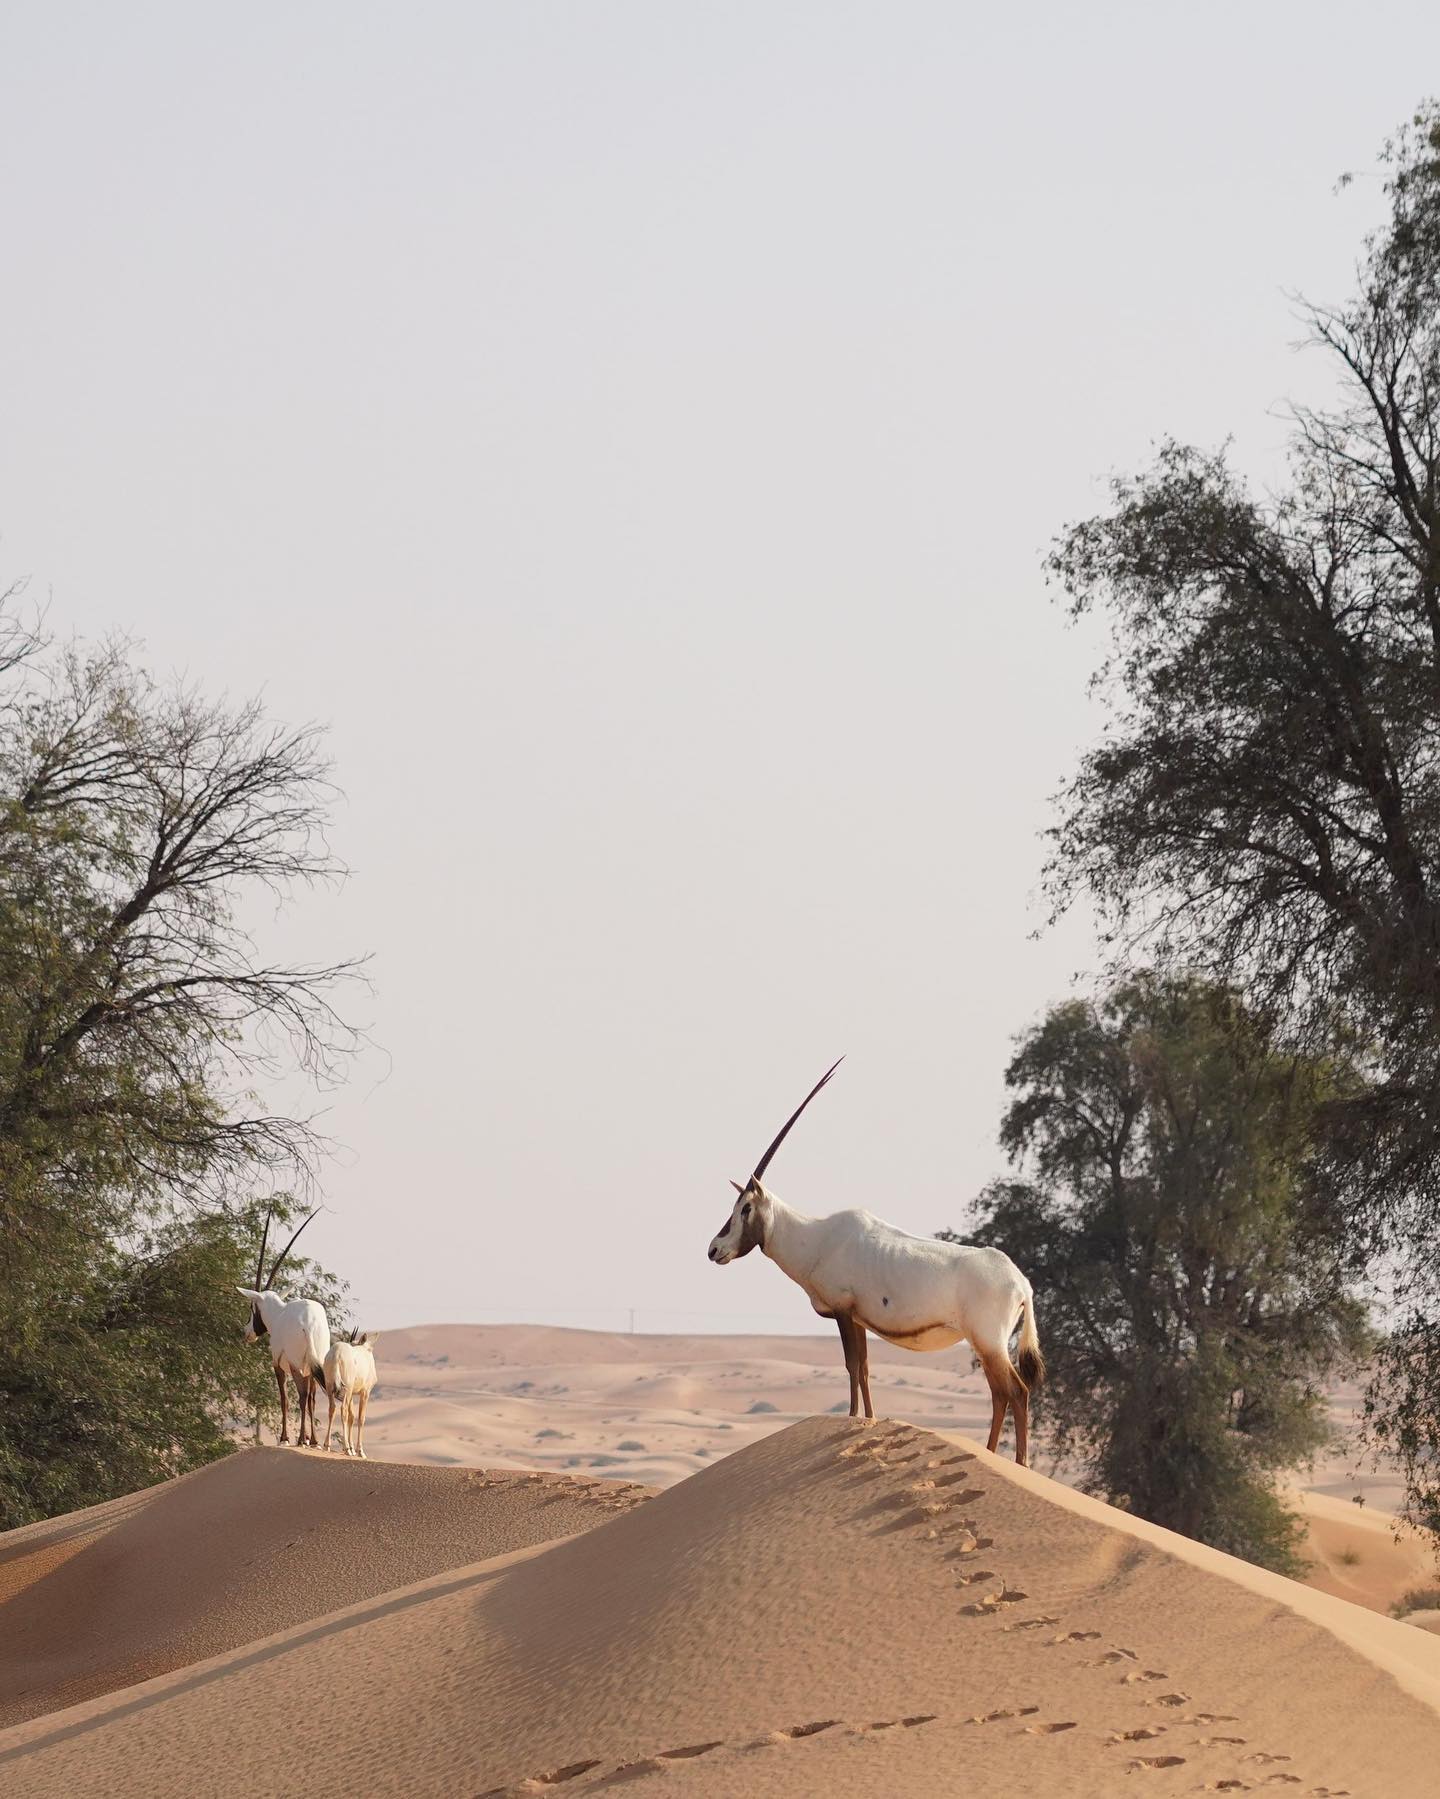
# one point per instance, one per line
(658, 1408)
(248, 1546)
(836, 1607)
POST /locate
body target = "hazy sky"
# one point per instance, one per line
(636, 430)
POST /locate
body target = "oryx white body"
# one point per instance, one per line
(349, 1378)
(916, 1292)
(299, 1341)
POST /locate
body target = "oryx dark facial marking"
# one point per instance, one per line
(744, 1229)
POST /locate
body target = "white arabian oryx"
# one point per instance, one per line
(299, 1334)
(349, 1380)
(913, 1291)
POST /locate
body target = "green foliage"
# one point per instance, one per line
(1190, 1302)
(1265, 804)
(134, 1013)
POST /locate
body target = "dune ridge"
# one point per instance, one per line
(869, 1608)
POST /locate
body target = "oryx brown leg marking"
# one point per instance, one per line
(1020, 1409)
(284, 1404)
(863, 1357)
(852, 1365)
(360, 1431)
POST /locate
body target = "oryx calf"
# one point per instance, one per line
(299, 1334)
(349, 1379)
(913, 1291)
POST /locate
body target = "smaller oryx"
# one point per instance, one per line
(917, 1292)
(299, 1334)
(349, 1378)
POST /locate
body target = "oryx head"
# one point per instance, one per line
(749, 1222)
(257, 1326)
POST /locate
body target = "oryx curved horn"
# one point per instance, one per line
(280, 1259)
(264, 1238)
(765, 1160)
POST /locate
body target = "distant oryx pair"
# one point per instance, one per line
(914, 1291)
(300, 1346)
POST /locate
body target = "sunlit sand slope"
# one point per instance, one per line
(835, 1608)
(248, 1546)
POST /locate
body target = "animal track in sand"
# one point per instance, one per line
(1048, 1730)
(1177, 1699)
(637, 1767)
(1073, 1636)
(1015, 1711)
(1142, 1735)
(1129, 1680)
(993, 1601)
(967, 1580)
(1151, 1763)
(1216, 1742)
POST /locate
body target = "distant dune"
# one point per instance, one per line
(837, 1608)
(248, 1546)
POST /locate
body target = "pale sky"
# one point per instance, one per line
(636, 430)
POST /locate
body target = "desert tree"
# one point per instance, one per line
(1265, 803)
(1190, 1301)
(138, 1024)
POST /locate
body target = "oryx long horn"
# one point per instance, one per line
(264, 1238)
(280, 1259)
(765, 1160)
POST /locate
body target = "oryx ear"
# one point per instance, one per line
(736, 1185)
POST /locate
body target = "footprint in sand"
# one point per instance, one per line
(1031, 1624)
(1048, 1730)
(968, 1580)
(1152, 1763)
(1174, 1699)
(1074, 1636)
(1129, 1680)
(1017, 1711)
(1142, 1735)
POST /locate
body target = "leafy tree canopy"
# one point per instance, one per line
(1190, 1302)
(1265, 804)
(136, 1017)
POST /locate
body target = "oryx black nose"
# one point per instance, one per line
(712, 1252)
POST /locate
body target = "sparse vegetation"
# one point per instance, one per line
(1416, 1599)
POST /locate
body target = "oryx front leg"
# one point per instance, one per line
(852, 1358)
(284, 1405)
(862, 1357)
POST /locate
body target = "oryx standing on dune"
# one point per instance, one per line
(299, 1334)
(913, 1291)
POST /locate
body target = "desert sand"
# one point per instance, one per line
(102, 1598)
(836, 1607)
(655, 1409)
